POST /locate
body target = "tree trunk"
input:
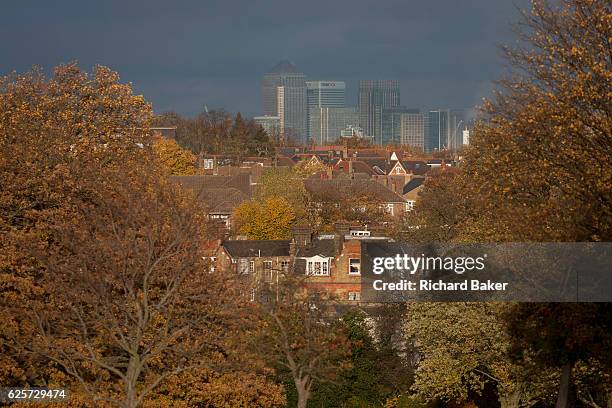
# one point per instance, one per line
(303, 391)
(564, 386)
(512, 400)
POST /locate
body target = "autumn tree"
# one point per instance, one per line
(538, 163)
(438, 212)
(285, 183)
(308, 167)
(268, 219)
(217, 132)
(175, 160)
(302, 335)
(103, 284)
(50, 131)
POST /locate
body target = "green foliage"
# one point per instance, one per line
(464, 347)
(368, 383)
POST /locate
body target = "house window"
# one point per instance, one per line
(410, 205)
(267, 265)
(389, 209)
(253, 295)
(398, 170)
(209, 164)
(252, 267)
(354, 266)
(317, 268)
(354, 296)
(243, 266)
(284, 265)
(211, 262)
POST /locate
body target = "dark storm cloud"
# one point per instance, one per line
(184, 54)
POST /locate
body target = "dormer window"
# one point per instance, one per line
(317, 266)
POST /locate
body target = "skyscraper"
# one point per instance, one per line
(391, 123)
(327, 124)
(412, 130)
(437, 131)
(374, 95)
(293, 118)
(323, 94)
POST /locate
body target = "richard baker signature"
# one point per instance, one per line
(435, 286)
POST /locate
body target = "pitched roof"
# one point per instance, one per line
(222, 200)
(284, 161)
(358, 166)
(412, 184)
(323, 247)
(319, 246)
(378, 165)
(339, 189)
(256, 248)
(241, 181)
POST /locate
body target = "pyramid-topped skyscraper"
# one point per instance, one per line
(283, 90)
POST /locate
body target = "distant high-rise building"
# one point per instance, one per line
(436, 130)
(374, 95)
(293, 118)
(412, 130)
(327, 124)
(466, 137)
(391, 124)
(324, 94)
(271, 124)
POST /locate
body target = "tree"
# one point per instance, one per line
(283, 182)
(563, 335)
(436, 216)
(270, 219)
(217, 132)
(308, 167)
(174, 159)
(377, 370)
(463, 347)
(539, 162)
(103, 286)
(542, 154)
(52, 133)
(302, 335)
(137, 303)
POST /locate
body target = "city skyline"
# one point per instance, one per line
(182, 56)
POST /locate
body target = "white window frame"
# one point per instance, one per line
(410, 205)
(389, 208)
(354, 296)
(358, 266)
(317, 266)
(284, 266)
(251, 267)
(267, 265)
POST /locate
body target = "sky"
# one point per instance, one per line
(182, 55)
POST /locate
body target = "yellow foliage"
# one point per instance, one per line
(175, 160)
(271, 218)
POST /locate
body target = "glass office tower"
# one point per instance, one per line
(323, 94)
(374, 96)
(285, 77)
